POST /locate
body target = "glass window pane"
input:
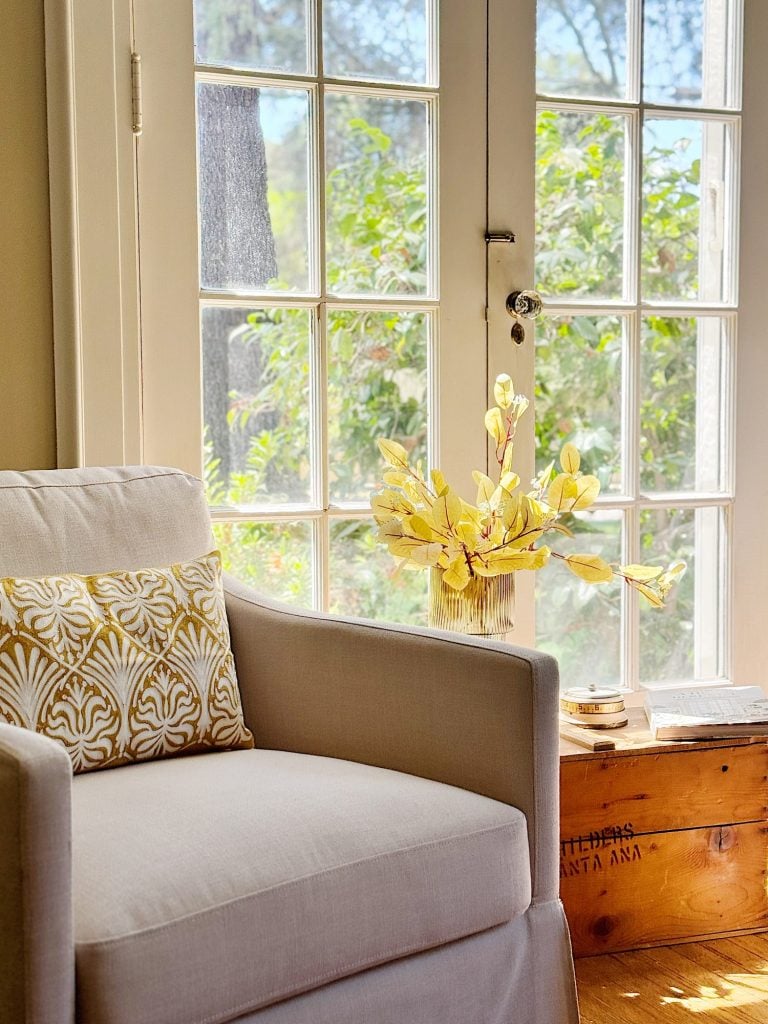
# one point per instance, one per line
(581, 48)
(264, 35)
(580, 168)
(682, 372)
(365, 580)
(681, 642)
(688, 52)
(684, 209)
(377, 387)
(253, 182)
(372, 40)
(256, 405)
(273, 557)
(579, 623)
(377, 213)
(579, 372)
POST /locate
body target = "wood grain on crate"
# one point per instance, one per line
(719, 982)
(659, 791)
(626, 891)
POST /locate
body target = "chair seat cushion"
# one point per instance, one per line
(215, 884)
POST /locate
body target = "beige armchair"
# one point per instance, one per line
(387, 854)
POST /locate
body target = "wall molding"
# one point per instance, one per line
(92, 175)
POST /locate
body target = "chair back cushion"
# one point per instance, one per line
(100, 519)
(113, 633)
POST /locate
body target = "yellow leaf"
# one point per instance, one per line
(542, 480)
(667, 579)
(561, 528)
(447, 512)
(418, 526)
(438, 481)
(506, 464)
(471, 514)
(427, 554)
(457, 573)
(587, 489)
(494, 424)
(419, 551)
(496, 536)
(562, 493)
(527, 525)
(468, 534)
(390, 529)
(393, 452)
(421, 492)
(570, 459)
(412, 489)
(391, 503)
(485, 487)
(650, 595)
(395, 477)
(504, 390)
(641, 573)
(521, 404)
(510, 511)
(504, 560)
(529, 536)
(509, 481)
(590, 568)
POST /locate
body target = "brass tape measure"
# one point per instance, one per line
(573, 707)
(593, 707)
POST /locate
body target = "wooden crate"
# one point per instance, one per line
(663, 843)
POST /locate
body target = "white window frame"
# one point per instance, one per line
(97, 331)
(631, 308)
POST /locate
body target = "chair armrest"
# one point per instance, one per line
(37, 960)
(470, 713)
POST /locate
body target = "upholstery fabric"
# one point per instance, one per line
(517, 973)
(209, 886)
(37, 981)
(467, 712)
(95, 520)
(121, 666)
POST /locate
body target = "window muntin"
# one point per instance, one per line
(319, 292)
(671, 403)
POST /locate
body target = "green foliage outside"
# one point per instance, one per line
(377, 385)
(579, 367)
(377, 372)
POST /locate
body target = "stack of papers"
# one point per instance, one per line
(707, 713)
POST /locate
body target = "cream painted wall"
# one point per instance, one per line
(27, 411)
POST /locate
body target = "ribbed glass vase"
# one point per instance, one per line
(486, 606)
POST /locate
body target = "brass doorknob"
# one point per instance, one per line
(524, 304)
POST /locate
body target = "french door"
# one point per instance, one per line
(326, 198)
(313, 211)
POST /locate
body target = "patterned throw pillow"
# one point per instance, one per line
(122, 666)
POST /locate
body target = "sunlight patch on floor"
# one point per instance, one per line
(734, 990)
(716, 982)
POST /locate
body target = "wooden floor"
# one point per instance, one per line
(718, 982)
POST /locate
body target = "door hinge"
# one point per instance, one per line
(136, 109)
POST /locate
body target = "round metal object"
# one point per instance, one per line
(593, 694)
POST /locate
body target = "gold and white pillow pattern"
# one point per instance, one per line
(122, 666)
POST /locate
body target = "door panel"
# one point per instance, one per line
(339, 291)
